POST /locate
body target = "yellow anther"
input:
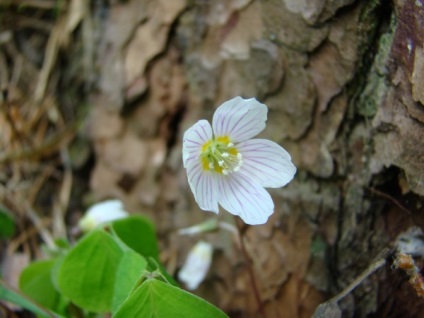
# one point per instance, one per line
(220, 155)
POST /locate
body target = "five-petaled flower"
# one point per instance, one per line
(224, 165)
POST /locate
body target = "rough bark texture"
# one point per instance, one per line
(344, 84)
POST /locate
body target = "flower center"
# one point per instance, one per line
(220, 155)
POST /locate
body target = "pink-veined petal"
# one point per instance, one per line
(240, 119)
(204, 186)
(242, 196)
(194, 138)
(266, 162)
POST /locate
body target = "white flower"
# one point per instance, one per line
(102, 212)
(225, 166)
(196, 265)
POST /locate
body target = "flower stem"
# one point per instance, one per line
(250, 271)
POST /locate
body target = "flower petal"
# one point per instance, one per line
(240, 119)
(193, 140)
(241, 195)
(196, 265)
(267, 162)
(204, 186)
(102, 212)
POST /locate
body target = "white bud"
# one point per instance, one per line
(196, 265)
(102, 212)
(225, 154)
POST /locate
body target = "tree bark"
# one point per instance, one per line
(343, 82)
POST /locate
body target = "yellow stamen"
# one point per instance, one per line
(221, 155)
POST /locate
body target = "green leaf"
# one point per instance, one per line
(157, 299)
(155, 266)
(87, 275)
(130, 268)
(139, 234)
(55, 271)
(16, 298)
(7, 224)
(35, 281)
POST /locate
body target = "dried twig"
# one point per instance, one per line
(23, 237)
(61, 204)
(375, 265)
(44, 232)
(48, 147)
(49, 61)
(330, 309)
(21, 203)
(37, 4)
(389, 198)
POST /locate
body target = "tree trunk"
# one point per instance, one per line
(343, 81)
